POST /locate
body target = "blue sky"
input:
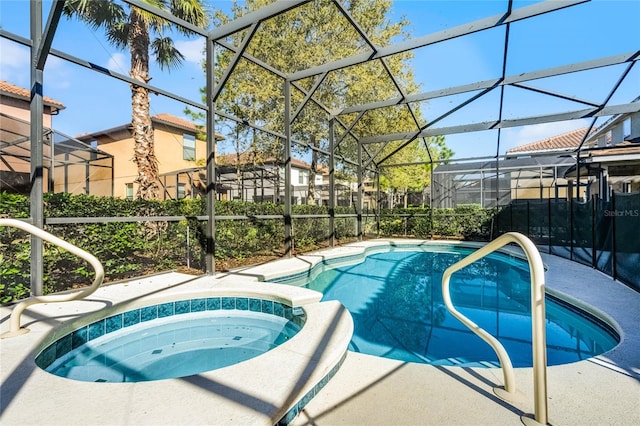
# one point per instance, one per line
(588, 31)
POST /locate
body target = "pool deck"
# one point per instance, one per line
(366, 390)
(601, 391)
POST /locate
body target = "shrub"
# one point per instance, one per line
(129, 249)
(469, 221)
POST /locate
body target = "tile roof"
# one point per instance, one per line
(564, 142)
(623, 148)
(180, 122)
(172, 119)
(247, 158)
(8, 89)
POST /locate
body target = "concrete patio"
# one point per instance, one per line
(365, 390)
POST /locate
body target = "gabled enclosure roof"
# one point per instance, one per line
(15, 143)
(475, 92)
(490, 91)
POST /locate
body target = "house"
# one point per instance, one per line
(15, 102)
(533, 171)
(181, 153)
(15, 115)
(247, 176)
(547, 182)
(609, 158)
(179, 146)
(559, 144)
(612, 161)
(69, 165)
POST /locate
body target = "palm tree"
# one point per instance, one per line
(128, 26)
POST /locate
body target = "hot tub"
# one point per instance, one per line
(172, 339)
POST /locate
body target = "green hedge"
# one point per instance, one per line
(470, 222)
(130, 249)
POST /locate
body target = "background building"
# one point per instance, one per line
(69, 165)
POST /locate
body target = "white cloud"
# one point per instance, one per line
(14, 66)
(191, 49)
(57, 73)
(118, 63)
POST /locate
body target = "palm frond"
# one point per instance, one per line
(96, 13)
(118, 34)
(192, 11)
(152, 21)
(167, 56)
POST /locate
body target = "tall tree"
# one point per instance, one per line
(131, 27)
(311, 35)
(399, 181)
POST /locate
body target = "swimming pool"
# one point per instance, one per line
(396, 303)
(170, 340)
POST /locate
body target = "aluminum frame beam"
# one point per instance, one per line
(288, 224)
(492, 125)
(48, 33)
(234, 62)
(168, 16)
(470, 28)
(94, 67)
(210, 172)
(510, 80)
(36, 106)
(259, 15)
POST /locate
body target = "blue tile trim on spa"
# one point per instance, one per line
(302, 402)
(115, 322)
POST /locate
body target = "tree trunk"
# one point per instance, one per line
(311, 192)
(238, 173)
(144, 151)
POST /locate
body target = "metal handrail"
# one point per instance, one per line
(538, 330)
(14, 322)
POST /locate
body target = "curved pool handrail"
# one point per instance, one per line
(14, 322)
(538, 330)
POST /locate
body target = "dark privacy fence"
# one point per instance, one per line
(598, 233)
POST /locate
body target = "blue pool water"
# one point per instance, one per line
(396, 303)
(176, 346)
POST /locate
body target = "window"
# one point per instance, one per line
(301, 178)
(181, 191)
(128, 191)
(188, 147)
(626, 128)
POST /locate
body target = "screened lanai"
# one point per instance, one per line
(328, 88)
(69, 165)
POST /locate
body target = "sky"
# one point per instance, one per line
(588, 31)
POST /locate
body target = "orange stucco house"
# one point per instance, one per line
(179, 145)
(14, 101)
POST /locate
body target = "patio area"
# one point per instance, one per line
(355, 112)
(364, 390)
